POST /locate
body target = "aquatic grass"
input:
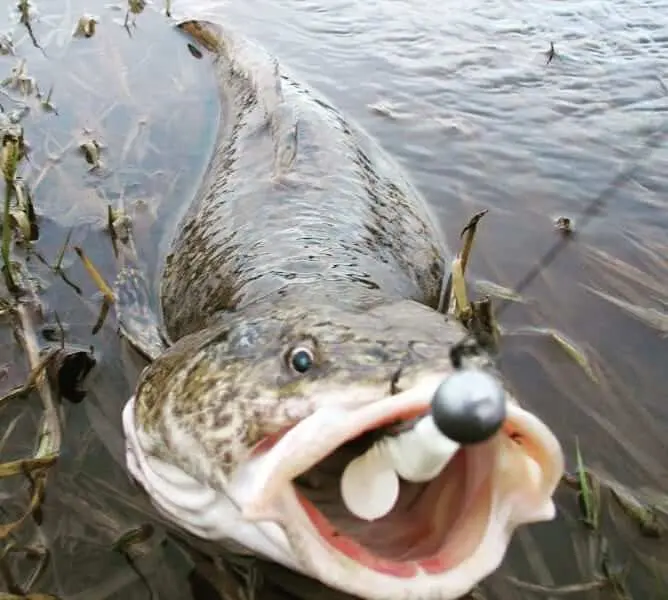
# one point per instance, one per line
(587, 493)
(57, 266)
(9, 158)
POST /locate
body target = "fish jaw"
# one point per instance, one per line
(507, 484)
(195, 506)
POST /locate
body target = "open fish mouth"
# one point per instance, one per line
(440, 538)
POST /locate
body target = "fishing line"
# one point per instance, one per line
(652, 142)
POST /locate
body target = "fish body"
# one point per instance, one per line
(299, 307)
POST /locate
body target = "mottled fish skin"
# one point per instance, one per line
(303, 233)
(294, 194)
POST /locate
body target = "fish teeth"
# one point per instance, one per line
(370, 482)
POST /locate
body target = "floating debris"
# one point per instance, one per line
(23, 214)
(138, 535)
(564, 225)
(136, 6)
(196, 52)
(54, 333)
(6, 45)
(46, 102)
(91, 150)
(68, 370)
(550, 54)
(19, 80)
(86, 27)
(119, 225)
(383, 109)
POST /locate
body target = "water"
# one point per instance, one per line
(467, 102)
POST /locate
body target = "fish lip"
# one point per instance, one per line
(342, 422)
(511, 504)
(304, 445)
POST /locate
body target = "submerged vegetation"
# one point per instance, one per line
(63, 493)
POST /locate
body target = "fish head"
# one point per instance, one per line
(240, 434)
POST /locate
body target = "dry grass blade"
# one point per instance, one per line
(39, 486)
(30, 229)
(26, 465)
(28, 597)
(9, 159)
(21, 222)
(454, 297)
(564, 343)
(134, 536)
(51, 436)
(645, 516)
(468, 233)
(6, 243)
(49, 441)
(57, 267)
(499, 291)
(462, 308)
(102, 316)
(99, 281)
(574, 352)
(30, 382)
(38, 553)
(617, 270)
(652, 317)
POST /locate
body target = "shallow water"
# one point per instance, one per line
(465, 99)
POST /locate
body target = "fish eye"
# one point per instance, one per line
(301, 359)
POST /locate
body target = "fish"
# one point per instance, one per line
(299, 322)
